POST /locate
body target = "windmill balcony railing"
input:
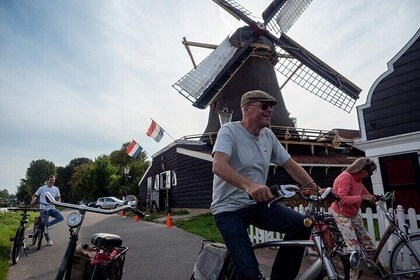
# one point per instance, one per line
(286, 135)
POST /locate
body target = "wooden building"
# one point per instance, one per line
(389, 123)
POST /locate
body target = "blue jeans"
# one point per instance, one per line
(58, 217)
(233, 227)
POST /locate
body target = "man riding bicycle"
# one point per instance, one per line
(241, 157)
(47, 207)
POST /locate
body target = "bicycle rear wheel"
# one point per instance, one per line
(403, 263)
(18, 244)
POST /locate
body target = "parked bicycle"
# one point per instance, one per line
(323, 266)
(405, 254)
(39, 229)
(109, 254)
(19, 241)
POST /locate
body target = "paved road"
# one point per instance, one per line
(155, 252)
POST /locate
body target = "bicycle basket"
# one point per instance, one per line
(81, 261)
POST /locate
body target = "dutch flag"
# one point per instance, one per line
(155, 131)
(133, 149)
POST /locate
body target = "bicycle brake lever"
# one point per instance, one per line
(277, 198)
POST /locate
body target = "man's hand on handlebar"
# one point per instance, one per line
(259, 193)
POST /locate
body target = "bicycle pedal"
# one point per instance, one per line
(30, 235)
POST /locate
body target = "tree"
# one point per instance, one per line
(64, 175)
(4, 193)
(36, 176)
(85, 179)
(292, 119)
(137, 166)
(82, 182)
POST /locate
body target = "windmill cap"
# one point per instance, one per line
(256, 95)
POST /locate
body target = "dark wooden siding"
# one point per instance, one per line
(194, 188)
(395, 102)
(194, 179)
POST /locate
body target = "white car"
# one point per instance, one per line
(109, 202)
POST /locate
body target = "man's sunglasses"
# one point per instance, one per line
(264, 105)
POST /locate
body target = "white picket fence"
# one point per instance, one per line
(411, 218)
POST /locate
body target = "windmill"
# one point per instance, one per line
(248, 60)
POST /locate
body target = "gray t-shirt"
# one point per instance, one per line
(251, 156)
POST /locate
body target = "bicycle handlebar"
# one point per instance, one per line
(22, 209)
(327, 194)
(286, 191)
(51, 199)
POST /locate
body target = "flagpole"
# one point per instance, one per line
(163, 130)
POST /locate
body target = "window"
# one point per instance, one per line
(165, 180)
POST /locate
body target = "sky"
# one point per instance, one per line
(78, 78)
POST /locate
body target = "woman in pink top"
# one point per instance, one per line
(349, 186)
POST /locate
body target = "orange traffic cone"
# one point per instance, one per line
(122, 214)
(137, 218)
(169, 221)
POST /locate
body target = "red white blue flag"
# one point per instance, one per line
(155, 131)
(133, 149)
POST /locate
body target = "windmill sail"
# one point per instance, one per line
(193, 84)
(286, 16)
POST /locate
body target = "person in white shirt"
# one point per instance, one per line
(48, 207)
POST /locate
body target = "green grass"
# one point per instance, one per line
(9, 222)
(203, 225)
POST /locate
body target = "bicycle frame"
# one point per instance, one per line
(75, 226)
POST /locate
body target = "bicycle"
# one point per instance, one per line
(109, 254)
(323, 266)
(19, 241)
(405, 254)
(39, 229)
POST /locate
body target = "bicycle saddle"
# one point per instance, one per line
(106, 240)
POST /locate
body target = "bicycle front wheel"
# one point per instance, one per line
(404, 264)
(18, 244)
(35, 231)
(40, 233)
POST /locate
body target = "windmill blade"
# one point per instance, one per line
(236, 10)
(233, 8)
(193, 84)
(279, 17)
(305, 69)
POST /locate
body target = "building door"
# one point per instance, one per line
(401, 173)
